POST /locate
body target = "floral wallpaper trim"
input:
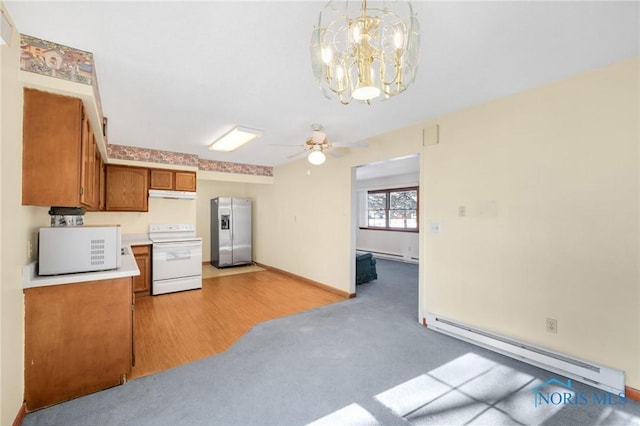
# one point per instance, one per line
(227, 167)
(63, 62)
(122, 152)
(56, 60)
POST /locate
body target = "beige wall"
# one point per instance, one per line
(161, 210)
(14, 225)
(549, 178)
(305, 222)
(550, 181)
(400, 245)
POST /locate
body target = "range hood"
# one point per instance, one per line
(176, 195)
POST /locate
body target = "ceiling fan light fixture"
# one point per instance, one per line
(364, 52)
(316, 157)
(235, 138)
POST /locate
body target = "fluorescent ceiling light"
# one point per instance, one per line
(235, 138)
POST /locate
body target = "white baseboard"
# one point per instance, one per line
(390, 256)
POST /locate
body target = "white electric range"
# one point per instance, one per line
(177, 258)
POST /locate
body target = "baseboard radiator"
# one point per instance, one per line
(598, 376)
(390, 256)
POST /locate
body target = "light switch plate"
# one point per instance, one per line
(435, 228)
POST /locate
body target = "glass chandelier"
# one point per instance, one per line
(362, 52)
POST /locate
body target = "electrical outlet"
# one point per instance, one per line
(552, 325)
(462, 211)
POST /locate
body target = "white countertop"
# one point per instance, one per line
(128, 268)
(135, 240)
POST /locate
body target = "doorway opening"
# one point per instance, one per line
(385, 214)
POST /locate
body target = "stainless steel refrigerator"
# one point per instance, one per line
(230, 232)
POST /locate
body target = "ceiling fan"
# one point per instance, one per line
(318, 144)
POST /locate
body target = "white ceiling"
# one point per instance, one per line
(176, 75)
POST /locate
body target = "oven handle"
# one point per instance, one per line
(176, 256)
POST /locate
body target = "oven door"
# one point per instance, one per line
(177, 259)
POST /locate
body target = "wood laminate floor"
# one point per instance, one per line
(174, 329)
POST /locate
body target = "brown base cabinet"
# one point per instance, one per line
(78, 339)
(142, 282)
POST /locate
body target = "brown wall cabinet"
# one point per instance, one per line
(69, 352)
(185, 181)
(162, 179)
(142, 283)
(177, 180)
(127, 188)
(58, 152)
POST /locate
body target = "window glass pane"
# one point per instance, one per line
(396, 219)
(405, 219)
(377, 201)
(377, 208)
(404, 200)
(377, 218)
(411, 221)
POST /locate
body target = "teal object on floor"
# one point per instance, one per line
(365, 268)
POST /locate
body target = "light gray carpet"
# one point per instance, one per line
(362, 361)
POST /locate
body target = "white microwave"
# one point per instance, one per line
(72, 249)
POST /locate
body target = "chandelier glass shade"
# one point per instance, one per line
(365, 50)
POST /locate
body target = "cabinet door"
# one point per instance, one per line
(68, 350)
(185, 181)
(127, 188)
(97, 169)
(51, 149)
(142, 283)
(101, 181)
(88, 193)
(162, 179)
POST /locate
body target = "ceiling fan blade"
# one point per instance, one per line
(335, 153)
(360, 144)
(296, 154)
